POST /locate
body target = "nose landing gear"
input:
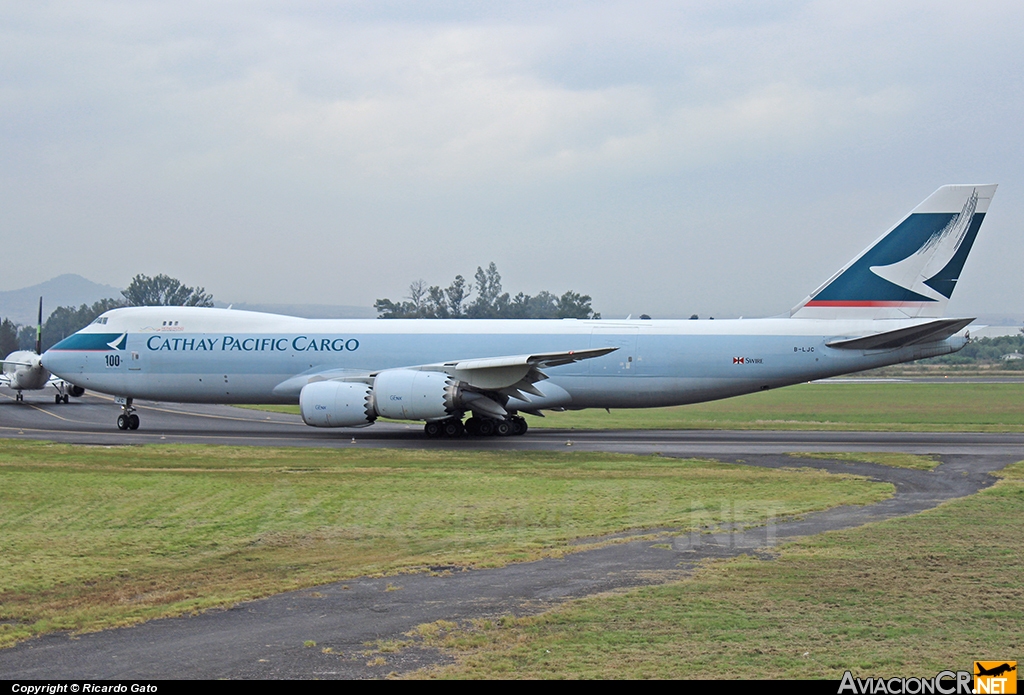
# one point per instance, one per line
(62, 392)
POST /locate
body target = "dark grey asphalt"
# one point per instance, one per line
(90, 420)
(264, 639)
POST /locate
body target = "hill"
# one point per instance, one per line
(69, 289)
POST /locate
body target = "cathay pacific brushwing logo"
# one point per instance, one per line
(917, 262)
(914, 272)
(93, 342)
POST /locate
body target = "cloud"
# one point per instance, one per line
(281, 138)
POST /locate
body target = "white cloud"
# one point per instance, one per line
(278, 139)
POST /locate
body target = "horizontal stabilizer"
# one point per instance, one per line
(902, 337)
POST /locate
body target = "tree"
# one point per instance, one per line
(163, 290)
(490, 302)
(427, 302)
(26, 337)
(412, 309)
(8, 337)
(456, 294)
(573, 305)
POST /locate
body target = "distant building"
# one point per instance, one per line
(1012, 356)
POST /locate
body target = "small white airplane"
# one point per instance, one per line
(884, 307)
(23, 370)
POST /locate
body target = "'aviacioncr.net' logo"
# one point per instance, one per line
(995, 677)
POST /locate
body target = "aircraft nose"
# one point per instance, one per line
(53, 361)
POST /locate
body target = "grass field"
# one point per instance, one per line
(906, 597)
(92, 537)
(829, 406)
(896, 460)
(888, 406)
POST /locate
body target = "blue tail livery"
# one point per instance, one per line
(912, 270)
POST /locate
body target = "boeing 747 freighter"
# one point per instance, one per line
(478, 376)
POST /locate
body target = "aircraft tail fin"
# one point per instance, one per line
(912, 269)
(39, 329)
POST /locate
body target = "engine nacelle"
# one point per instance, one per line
(408, 394)
(76, 391)
(336, 404)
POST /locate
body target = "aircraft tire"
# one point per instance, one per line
(56, 399)
(122, 422)
(519, 423)
(485, 428)
(473, 426)
(65, 399)
(503, 428)
(133, 422)
(454, 428)
(432, 429)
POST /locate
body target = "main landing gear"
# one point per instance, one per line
(127, 420)
(476, 427)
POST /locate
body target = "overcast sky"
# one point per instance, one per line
(720, 158)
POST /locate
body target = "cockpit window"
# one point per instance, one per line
(101, 319)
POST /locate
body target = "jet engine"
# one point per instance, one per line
(409, 394)
(399, 394)
(337, 404)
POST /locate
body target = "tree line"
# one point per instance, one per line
(161, 290)
(457, 301)
(986, 350)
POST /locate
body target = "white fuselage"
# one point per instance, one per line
(24, 371)
(224, 356)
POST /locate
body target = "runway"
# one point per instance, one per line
(265, 638)
(91, 420)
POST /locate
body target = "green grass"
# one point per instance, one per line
(896, 460)
(909, 596)
(92, 537)
(900, 407)
(829, 406)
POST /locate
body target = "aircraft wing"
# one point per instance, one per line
(16, 363)
(511, 376)
(902, 337)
